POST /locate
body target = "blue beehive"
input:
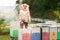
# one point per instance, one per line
(36, 34)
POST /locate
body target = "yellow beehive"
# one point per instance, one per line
(53, 35)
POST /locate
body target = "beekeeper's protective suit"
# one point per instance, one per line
(24, 15)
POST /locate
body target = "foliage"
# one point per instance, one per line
(1, 21)
(44, 8)
(3, 28)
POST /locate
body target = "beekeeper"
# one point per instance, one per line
(24, 15)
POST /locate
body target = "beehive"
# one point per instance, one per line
(53, 33)
(45, 33)
(58, 33)
(36, 34)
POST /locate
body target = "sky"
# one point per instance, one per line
(7, 2)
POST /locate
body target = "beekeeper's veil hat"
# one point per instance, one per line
(27, 6)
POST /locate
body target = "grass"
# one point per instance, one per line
(5, 37)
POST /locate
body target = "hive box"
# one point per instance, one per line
(45, 33)
(53, 33)
(58, 33)
(36, 33)
(24, 34)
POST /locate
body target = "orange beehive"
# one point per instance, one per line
(53, 33)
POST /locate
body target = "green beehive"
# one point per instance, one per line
(15, 33)
(58, 34)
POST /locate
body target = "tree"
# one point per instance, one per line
(44, 8)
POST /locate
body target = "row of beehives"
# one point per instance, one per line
(37, 33)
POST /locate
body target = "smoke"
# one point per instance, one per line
(8, 9)
(8, 12)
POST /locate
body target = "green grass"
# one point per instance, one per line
(5, 37)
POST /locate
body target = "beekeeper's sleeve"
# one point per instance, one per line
(29, 16)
